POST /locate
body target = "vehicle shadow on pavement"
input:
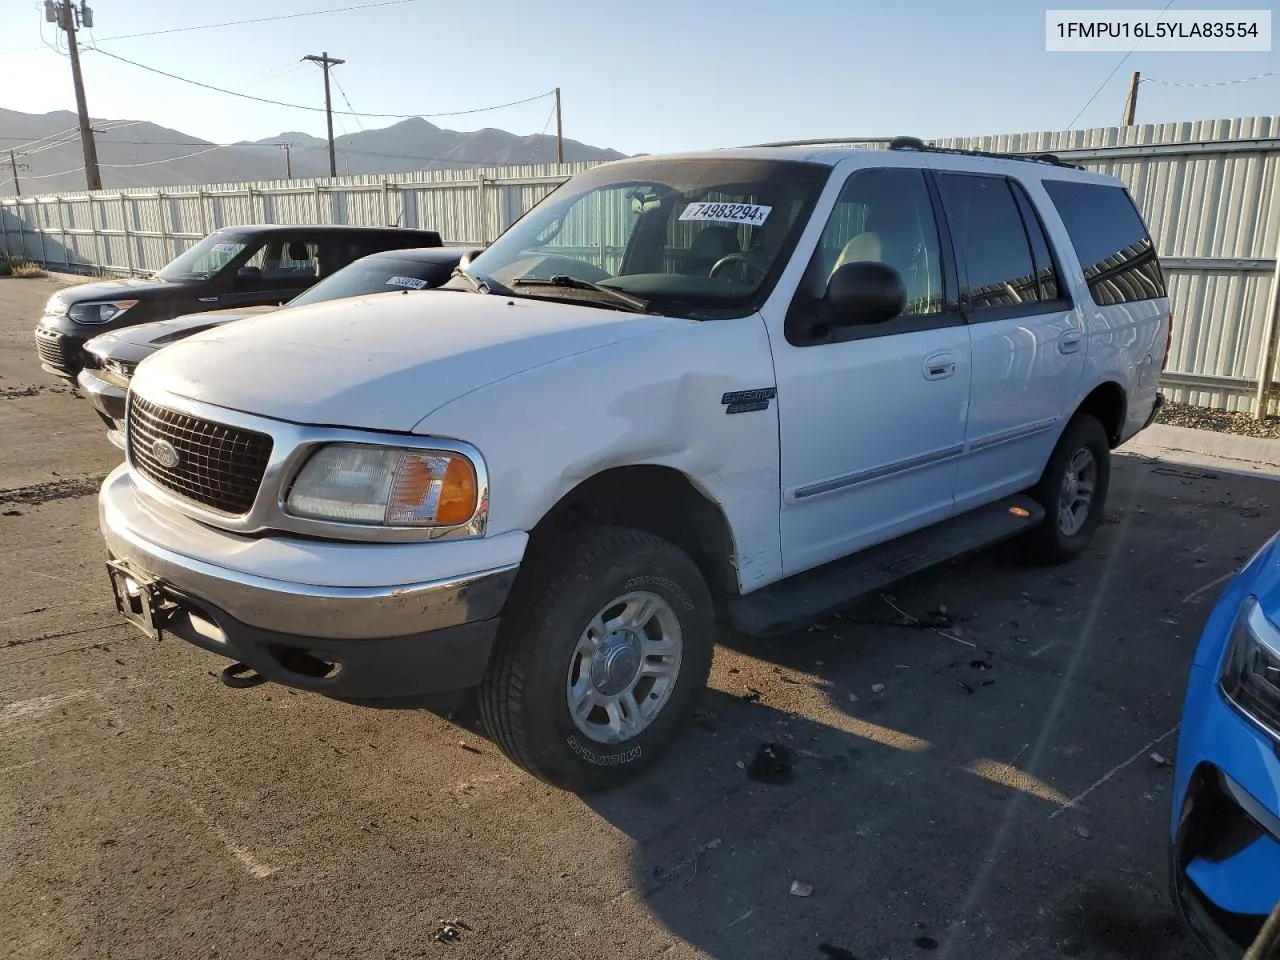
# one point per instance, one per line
(825, 828)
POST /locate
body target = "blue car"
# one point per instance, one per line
(1226, 812)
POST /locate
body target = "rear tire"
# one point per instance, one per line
(604, 648)
(1073, 492)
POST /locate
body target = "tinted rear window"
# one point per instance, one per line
(1109, 237)
(988, 229)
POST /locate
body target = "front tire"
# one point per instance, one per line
(604, 649)
(1073, 492)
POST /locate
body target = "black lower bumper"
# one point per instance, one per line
(436, 661)
(1211, 825)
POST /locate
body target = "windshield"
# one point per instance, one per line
(693, 237)
(206, 258)
(380, 275)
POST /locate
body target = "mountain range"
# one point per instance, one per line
(142, 154)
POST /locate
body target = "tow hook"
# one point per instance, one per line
(241, 676)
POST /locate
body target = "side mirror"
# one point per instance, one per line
(865, 292)
(248, 276)
(469, 256)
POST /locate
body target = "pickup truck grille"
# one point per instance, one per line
(218, 466)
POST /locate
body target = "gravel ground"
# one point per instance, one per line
(1223, 421)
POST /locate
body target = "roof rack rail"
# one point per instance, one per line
(914, 143)
(824, 141)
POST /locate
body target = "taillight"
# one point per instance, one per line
(1168, 343)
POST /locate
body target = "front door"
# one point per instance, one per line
(1028, 338)
(277, 271)
(872, 418)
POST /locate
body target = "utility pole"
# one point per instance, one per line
(1131, 105)
(559, 131)
(288, 161)
(326, 62)
(13, 162)
(69, 16)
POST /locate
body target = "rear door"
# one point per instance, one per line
(1027, 337)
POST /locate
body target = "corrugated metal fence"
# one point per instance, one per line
(1207, 189)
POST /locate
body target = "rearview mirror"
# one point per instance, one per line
(865, 292)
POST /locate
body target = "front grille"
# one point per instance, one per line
(51, 351)
(218, 466)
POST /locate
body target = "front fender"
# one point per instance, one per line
(654, 401)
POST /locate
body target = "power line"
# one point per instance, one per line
(355, 116)
(546, 126)
(239, 23)
(268, 146)
(1219, 83)
(1113, 72)
(152, 163)
(300, 106)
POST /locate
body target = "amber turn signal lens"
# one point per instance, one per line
(432, 488)
(1020, 511)
(457, 493)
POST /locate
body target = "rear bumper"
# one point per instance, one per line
(328, 634)
(1155, 410)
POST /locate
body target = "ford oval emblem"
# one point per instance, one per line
(165, 453)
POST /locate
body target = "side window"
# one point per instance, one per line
(1110, 240)
(886, 215)
(285, 261)
(989, 233)
(1041, 251)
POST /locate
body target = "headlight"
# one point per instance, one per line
(56, 306)
(1251, 670)
(98, 311)
(389, 486)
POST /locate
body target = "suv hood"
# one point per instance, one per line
(381, 362)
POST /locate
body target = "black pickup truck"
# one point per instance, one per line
(233, 267)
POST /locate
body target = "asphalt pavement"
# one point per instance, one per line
(973, 766)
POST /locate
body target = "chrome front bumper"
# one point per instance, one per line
(298, 604)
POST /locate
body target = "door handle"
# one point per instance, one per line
(939, 366)
(1070, 341)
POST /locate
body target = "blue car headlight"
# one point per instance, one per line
(1250, 677)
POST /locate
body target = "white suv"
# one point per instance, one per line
(763, 381)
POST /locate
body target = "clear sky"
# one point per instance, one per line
(644, 76)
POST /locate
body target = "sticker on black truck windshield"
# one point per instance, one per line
(413, 283)
(752, 214)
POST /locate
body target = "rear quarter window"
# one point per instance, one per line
(1112, 243)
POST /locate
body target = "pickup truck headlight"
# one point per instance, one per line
(98, 311)
(1251, 669)
(388, 486)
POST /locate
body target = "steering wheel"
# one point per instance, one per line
(735, 258)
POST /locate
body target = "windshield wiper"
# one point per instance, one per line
(483, 284)
(635, 304)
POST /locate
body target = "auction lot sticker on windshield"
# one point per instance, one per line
(752, 214)
(413, 283)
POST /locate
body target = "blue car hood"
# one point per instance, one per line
(1265, 570)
